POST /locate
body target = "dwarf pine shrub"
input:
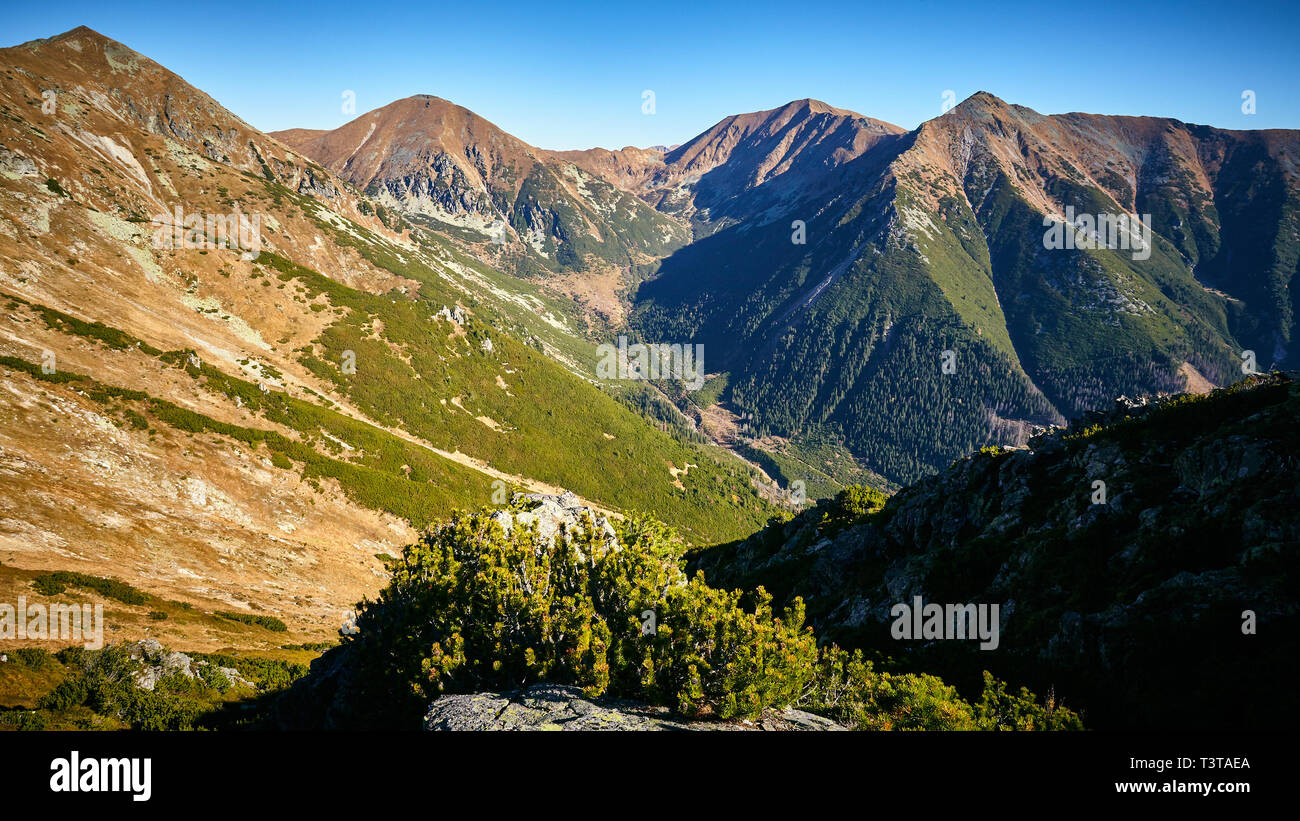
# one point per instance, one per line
(472, 608)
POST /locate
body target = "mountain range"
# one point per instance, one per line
(242, 370)
(829, 262)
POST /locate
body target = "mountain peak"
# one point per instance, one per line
(982, 101)
(79, 33)
(431, 102)
(806, 107)
(817, 107)
(420, 119)
(426, 99)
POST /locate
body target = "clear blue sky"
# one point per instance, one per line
(572, 75)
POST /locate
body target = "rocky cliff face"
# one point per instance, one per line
(1123, 551)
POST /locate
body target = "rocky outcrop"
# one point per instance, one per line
(559, 707)
(13, 164)
(555, 515)
(157, 662)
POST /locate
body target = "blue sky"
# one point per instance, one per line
(572, 75)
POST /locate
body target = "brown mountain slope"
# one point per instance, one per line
(184, 516)
(1124, 156)
(1227, 203)
(388, 143)
(181, 416)
(527, 209)
(758, 146)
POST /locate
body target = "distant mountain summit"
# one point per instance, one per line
(527, 209)
(717, 170)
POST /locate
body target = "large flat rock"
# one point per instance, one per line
(559, 707)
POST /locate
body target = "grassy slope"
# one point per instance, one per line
(403, 379)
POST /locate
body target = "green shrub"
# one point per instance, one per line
(471, 608)
(28, 720)
(48, 585)
(850, 690)
(103, 682)
(52, 584)
(859, 501)
(136, 420)
(269, 622)
(35, 658)
(267, 674)
(105, 685)
(1000, 710)
(851, 506)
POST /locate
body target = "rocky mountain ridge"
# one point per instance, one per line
(1143, 560)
